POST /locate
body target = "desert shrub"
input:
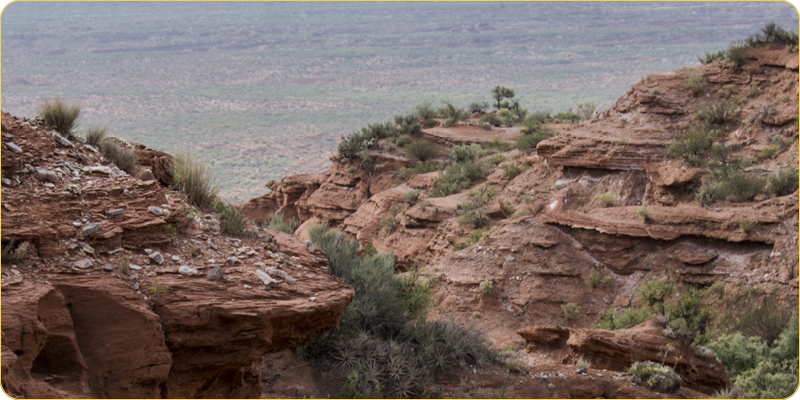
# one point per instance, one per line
(411, 197)
(583, 365)
(507, 117)
(408, 124)
(755, 313)
(467, 153)
(695, 82)
(528, 141)
(655, 376)
(540, 117)
(491, 119)
(421, 150)
(231, 220)
(612, 320)
(452, 114)
(473, 212)
(512, 170)
(746, 224)
(486, 287)
(390, 222)
(586, 110)
(654, 295)
(194, 178)
(711, 57)
(425, 111)
(405, 173)
(60, 116)
(352, 145)
(596, 279)
(607, 199)
(125, 266)
(737, 53)
(94, 134)
(277, 222)
(458, 177)
(383, 346)
(496, 159)
(691, 146)
(479, 107)
(729, 392)
(477, 236)
(644, 213)
(521, 213)
(403, 140)
(123, 157)
(717, 113)
(15, 251)
(786, 182)
(496, 144)
(571, 311)
(567, 116)
(731, 184)
(689, 315)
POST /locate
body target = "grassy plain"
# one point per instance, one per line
(265, 90)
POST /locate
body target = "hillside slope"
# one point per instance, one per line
(548, 228)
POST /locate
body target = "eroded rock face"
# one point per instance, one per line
(94, 301)
(617, 350)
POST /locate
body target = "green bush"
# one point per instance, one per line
(567, 116)
(491, 119)
(408, 124)
(496, 159)
(695, 81)
(390, 222)
(586, 110)
(711, 57)
(691, 146)
(511, 171)
(654, 295)
(405, 173)
(194, 178)
(421, 150)
(733, 185)
(352, 145)
(458, 177)
(738, 54)
(538, 117)
(607, 199)
(496, 144)
(479, 107)
(467, 153)
(644, 213)
(571, 311)
(231, 220)
(403, 140)
(452, 114)
(612, 320)
(655, 376)
(277, 222)
(746, 224)
(383, 346)
(486, 287)
(755, 314)
(425, 111)
(94, 134)
(527, 142)
(717, 113)
(411, 197)
(123, 157)
(473, 212)
(596, 279)
(60, 116)
(785, 183)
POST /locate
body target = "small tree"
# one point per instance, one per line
(499, 93)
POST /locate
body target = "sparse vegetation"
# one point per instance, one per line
(586, 110)
(231, 220)
(571, 311)
(60, 116)
(194, 178)
(473, 212)
(596, 279)
(411, 197)
(405, 173)
(458, 177)
(512, 170)
(607, 199)
(612, 320)
(383, 346)
(746, 224)
(277, 222)
(583, 365)
(644, 213)
(94, 134)
(655, 376)
(695, 81)
(532, 135)
(123, 157)
(421, 150)
(786, 182)
(125, 265)
(390, 222)
(691, 146)
(499, 93)
(717, 113)
(486, 287)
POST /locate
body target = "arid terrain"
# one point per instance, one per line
(118, 285)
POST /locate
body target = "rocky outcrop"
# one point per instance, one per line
(617, 350)
(106, 291)
(589, 152)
